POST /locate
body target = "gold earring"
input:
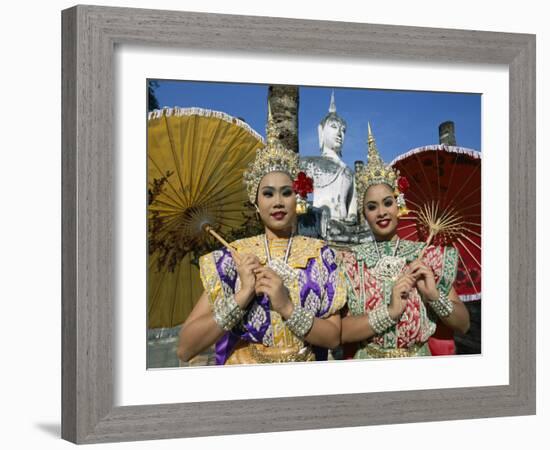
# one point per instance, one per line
(301, 205)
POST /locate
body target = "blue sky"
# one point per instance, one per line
(400, 120)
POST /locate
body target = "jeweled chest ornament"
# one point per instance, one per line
(388, 267)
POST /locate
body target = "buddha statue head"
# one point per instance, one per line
(332, 130)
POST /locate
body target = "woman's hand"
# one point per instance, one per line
(400, 293)
(246, 265)
(270, 283)
(425, 280)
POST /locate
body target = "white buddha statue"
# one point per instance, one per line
(333, 180)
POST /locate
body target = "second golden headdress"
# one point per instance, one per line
(376, 172)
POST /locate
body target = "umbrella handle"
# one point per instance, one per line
(428, 242)
(226, 244)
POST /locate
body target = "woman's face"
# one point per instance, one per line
(277, 202)
(381, 210)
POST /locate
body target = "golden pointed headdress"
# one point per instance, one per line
(271, 158)
(376, 172)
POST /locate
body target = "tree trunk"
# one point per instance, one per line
(284, 101)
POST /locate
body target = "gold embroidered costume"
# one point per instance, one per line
(262, 335)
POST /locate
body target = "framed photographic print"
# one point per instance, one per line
(226, 123)
(104, 133)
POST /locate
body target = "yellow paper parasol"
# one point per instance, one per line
(196, 159)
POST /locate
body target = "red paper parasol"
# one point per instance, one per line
(445, 191)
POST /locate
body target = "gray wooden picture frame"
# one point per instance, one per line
(90, 34)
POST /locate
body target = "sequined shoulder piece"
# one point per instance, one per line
(444, 263)
(303, 249)
(365, 252)
(217, 272)
(410, 250)
(346, 259)
(253, 245)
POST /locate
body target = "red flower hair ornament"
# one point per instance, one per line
(402, 187)
(302, 185)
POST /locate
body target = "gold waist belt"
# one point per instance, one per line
(250, 353)
(380, 352)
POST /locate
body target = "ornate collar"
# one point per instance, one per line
(369, 253)
(303, 249)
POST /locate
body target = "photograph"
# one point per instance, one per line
(290, 224)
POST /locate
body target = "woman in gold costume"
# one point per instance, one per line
(397, 289)
(274, 297)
